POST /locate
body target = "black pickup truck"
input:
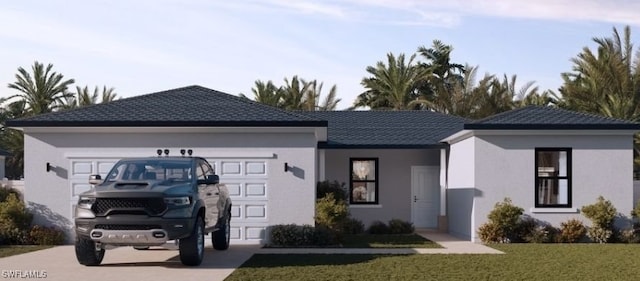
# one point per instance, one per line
(148, 201)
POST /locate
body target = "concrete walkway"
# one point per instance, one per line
(450, 244)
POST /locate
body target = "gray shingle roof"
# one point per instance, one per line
(387, 129)
(548, 118)
(188, 106)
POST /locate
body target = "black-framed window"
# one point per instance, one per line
(553, 177)
(363, 183)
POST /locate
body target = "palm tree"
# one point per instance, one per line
(606, 82)
(314, 92)
(444, 74)
(294, 93)
(43, 92)
(83, 97)
(266, 93)
(13, 140)
(392, 85)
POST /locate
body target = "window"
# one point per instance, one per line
(553, 177)
(363, 187)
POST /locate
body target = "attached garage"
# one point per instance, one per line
(247, 143)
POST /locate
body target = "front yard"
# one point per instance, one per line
(521, 262)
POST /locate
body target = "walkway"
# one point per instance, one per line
(450, 245)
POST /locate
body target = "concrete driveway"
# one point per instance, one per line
(125, 263)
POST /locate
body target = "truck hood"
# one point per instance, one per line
(120, 188)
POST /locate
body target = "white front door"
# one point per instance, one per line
(425, 196)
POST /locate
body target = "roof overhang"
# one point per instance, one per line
(464, 134)
(325, 145)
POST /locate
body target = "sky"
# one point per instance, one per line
(144, 46)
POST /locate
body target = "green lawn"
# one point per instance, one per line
(521, 262)
(6, 251)
(387, 241)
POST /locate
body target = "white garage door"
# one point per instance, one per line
(246, 179)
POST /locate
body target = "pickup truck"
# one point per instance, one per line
(149, 201)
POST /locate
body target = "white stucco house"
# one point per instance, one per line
(435, 170)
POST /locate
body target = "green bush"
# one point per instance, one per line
(331, 213)
(4, 193)
(14, 221)
(490, 232)
(631, 235)
(542, 234)
(524, 229)
(572, 231)
(506, 216)
(352, 226)
(331, 187)
(397, 226)
(378, 227)
(602, 215)
(41, 235)
(293, 235)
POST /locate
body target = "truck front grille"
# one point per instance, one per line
(127, 226)
(151, 206)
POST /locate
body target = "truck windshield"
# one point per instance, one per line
(160, 170)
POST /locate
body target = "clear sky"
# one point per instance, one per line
(145, 46)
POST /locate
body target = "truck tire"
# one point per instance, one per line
(86, 252)
(192, 247)
(220, 237)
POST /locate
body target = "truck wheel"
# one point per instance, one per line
(220, 237)
(192, 247)
(86, 252)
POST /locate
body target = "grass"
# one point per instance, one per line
(387, 241)
(6, 251)
(521, 262)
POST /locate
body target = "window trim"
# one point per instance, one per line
(568, 177)
(376, 181)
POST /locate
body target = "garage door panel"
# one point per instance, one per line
(256, 189)
(82, 168)
(230, 168)
(256, 168)
(79, 187)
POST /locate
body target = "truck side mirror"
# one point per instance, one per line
(211, 179)
(95, 179)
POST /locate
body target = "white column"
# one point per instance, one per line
(321, 165)
(443, 182)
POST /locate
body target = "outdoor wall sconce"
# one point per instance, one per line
(286, 167)
(49, 167)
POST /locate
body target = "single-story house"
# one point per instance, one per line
(435, 170)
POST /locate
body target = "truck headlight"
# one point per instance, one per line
(178, 201)
(86, 202)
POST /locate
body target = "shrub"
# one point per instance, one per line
(506, 216)
(331, 187)
(631, 235)
(542, 234)
(602, 215)
(503, 223)
(40, 235)
(490, 232)
(331, 213)
(635, 213)
(572, 231)
(293, 235)
(397, 226)
(378, 227)
(352, 226)
(4, 193)
(524, 228)
(14, 221)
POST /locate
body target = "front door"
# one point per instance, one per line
(425, 196)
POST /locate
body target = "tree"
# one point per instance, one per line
(266, 93)
(606, 82)
(314, 92)
(392, 85)
(44, 91)
(295, 93)
(443, 76)
(13, 140)
(83, 97)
